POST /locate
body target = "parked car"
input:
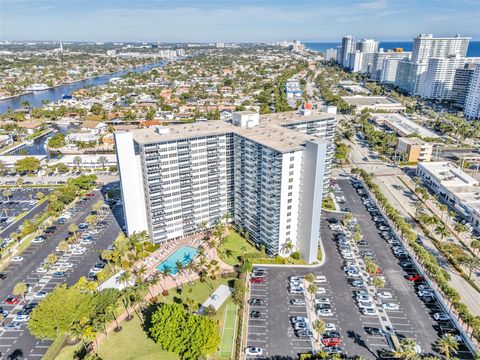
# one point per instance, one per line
(257, 280)
(390, 306)
(11, 300)
(255, 314)
(256, 302)
(440, 316)
(253, 351)
(297, 302)
(384, 295)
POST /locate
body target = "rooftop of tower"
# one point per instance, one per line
(270, 132)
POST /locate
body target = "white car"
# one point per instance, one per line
(324, 312)
(330, 327)
(441, 316)
(348, 256)
(66, 265)
(78, 251)
(321, 279)
(322, 301)
(385, 295)
(390, 306)
(253, 350)
(321, 291)
(366, 305)
(298, 302)
(21, 318)
(17, 259)
(41, 269)
(352, 273)
(295, 278)
(296, 290)
(426, 293)
(369, 311)
(38, 240)
(359, 283)
(95, 270)
(40, 295)
(364, 297)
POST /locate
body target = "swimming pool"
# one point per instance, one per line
(185, 255)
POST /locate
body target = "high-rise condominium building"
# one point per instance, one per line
(472, 104)
(461, 84)
(348, 46)
(269, 174)
(425, 46)
(367, 45)
(379, 61)
(437, 82)
(330, 54)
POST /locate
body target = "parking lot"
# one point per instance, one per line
(72, 264)
(21, 200)
(396, 313)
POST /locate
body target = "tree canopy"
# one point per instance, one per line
(27, 164)
(189, 335)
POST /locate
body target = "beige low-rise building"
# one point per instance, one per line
(414, 149)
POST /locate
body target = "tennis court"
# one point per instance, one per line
(228, 334)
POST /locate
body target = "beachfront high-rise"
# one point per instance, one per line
(268, 173)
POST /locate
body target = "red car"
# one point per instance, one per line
(256, 280)
(414, 277)
(12, 300)
(331, 342)
(90, 194)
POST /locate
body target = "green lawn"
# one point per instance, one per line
(129, 344)
(238, 246)
(228, 335)
(133, 343)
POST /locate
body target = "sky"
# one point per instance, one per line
(234, 20)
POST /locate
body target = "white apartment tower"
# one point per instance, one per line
(269, 173)
(472, 104)
(438, 79)
(367, 45)
(348, 46)
(425, 46)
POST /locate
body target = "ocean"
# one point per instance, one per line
(473, 48)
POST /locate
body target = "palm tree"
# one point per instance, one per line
(228, 252)
(77, 160)
(418, 207)
(165, 273)
(102, 160)
(127, 302)
(125, 278)
(319, 326)
(20, 289)
(288, 247)
(447, 344)
(110, 309)
(472, 263)
(442, 230)
(7, 193)
(73, 228)
(475, 244)
(407, 349)
(179, 265)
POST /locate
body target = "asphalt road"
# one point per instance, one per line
(20, 344)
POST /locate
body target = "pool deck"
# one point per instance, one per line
(172, 281)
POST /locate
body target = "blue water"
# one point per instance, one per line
(473, 48)
(185, 254)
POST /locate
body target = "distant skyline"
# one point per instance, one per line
(235, 20)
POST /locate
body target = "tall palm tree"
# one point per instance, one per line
(125, 278)
(127, 302)
(407, 349)
(442, 230)
(447, 344)
(165, 274)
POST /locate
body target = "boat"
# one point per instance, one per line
(37, 87)
(29, 142)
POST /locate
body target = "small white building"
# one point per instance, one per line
(454, 186)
